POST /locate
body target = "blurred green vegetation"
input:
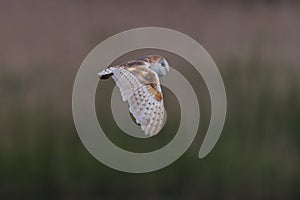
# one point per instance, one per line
(257, 156)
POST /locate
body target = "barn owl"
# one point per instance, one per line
(138, 81)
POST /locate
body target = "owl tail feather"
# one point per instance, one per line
(107, 73)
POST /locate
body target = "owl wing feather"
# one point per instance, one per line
(140, 87)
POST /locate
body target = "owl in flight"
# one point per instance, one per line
(138, 81)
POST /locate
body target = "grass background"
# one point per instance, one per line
(256, 47)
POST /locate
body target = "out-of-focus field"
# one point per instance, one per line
(256, 47)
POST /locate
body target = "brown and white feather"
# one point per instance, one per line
(140, 87)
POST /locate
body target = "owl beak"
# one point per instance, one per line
(168, 68)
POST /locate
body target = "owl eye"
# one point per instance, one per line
(163, 64)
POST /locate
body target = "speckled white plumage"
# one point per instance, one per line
(138, 81)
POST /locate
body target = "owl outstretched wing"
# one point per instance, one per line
(140, 87)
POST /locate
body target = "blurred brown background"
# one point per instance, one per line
(256, 46)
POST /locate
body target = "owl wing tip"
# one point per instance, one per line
(107, 73)
(105, 76)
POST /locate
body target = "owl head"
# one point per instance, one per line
(158, 64)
